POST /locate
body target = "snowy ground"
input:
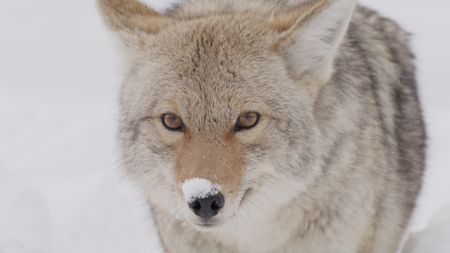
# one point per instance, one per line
(59, 79)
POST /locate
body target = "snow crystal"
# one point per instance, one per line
(198, 188)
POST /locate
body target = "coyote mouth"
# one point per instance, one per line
(205, 226)
(245, 195)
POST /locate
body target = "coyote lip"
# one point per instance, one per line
(245, 195)
(206, 225)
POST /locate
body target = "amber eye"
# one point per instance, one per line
(246, 121)
(172, 122)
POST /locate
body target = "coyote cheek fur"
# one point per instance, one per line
(334, 162)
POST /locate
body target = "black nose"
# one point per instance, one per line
(207, 207)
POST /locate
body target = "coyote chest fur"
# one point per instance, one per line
(270, 125)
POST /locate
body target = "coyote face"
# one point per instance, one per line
(210, 77)
(229, 98)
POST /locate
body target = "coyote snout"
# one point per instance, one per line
(214, 159)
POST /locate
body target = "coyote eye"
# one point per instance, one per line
(246, 121)
(172, 122)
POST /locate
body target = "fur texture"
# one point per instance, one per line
(336, 160)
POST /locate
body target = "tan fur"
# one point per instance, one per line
(297, 18)
(289, 24)
(131, 16)
(220, 161)
(370, 234)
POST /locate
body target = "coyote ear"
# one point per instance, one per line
(131, 18)
(310, 35)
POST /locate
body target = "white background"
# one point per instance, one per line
(60, 190)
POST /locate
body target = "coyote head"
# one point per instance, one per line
(227, 96)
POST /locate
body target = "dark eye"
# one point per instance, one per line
(246, 121)
(172, 122)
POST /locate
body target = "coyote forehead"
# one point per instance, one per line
(212, 60)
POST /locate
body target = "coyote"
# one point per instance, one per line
(270, 125)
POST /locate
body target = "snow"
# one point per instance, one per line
(160, 6)
(435, 238)
(198, 188)
(60, 188)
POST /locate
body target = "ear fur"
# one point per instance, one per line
(310, 36)
(131, 18)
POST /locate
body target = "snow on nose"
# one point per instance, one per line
(199, 188)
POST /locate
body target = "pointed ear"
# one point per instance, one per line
(310, 36)
(131, 18)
